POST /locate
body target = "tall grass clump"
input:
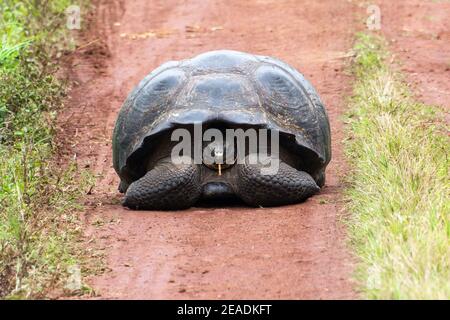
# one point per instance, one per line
(399, 189)
(36, 196)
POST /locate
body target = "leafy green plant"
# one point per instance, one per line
(37, 198)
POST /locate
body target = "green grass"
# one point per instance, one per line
(399, 190)
(38, 228)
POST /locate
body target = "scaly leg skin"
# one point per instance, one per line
(287, 186)
(166, 187)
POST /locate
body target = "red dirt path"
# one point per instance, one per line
(419, 36)
(295, 251)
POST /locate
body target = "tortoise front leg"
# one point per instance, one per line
(287, 186)
(165, 187)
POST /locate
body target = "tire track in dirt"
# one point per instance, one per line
(295, 251)
(419, 36)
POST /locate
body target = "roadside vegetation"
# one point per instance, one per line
(399, 191)
(38, 227)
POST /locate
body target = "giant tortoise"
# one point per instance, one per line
(222, 90)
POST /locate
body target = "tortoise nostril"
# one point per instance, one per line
(218, 154)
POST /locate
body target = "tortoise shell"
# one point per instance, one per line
(225, 86)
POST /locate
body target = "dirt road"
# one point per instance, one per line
(294, 251)
(419, 36)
